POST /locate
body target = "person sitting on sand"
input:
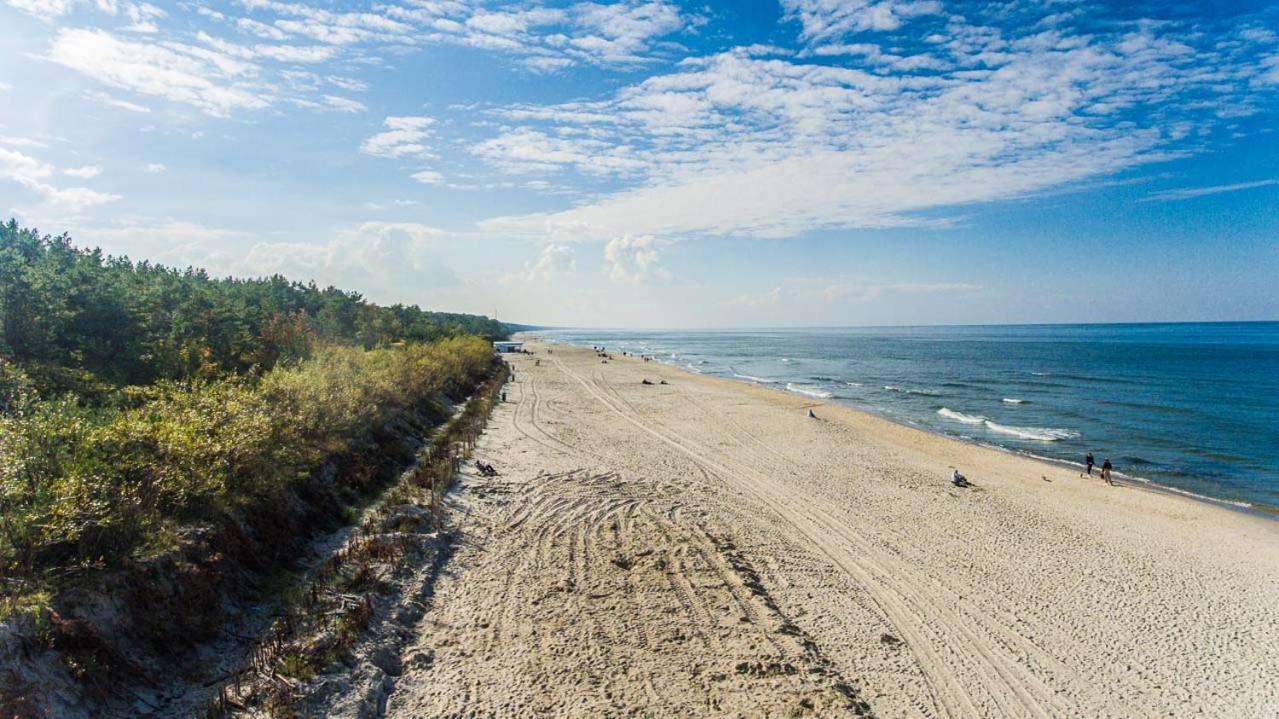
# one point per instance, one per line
(810, 413)
(1105, 471)
(958, 479)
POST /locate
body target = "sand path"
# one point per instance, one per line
(703, 548)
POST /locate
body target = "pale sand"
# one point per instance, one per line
(703, 548)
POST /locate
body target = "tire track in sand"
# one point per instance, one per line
(940, 640)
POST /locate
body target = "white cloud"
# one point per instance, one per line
(155, 168)
(822, 20)
(176, 243)
(428, 177)
(395, 259)
(27, 142)
(88, 172)
(635, 260)
(747, 144)
(554, 262)
(208, 80)
(35, 176)
(45, 9)
(526, 150)
(405, 137)
(342, 104)
(1189, 193)
(106, 99)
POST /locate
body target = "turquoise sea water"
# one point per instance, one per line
(1193, 407)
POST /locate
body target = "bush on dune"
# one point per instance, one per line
(83, 483)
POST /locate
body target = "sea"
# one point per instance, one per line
(1193, 407)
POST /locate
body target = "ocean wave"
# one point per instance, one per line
(854, 384)
(752, 378)
(1014, 400)
(692, 368)
(910, 390)
(807, 390)
(960, 416)
(1041, 434)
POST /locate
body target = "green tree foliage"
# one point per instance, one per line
(136, 323)
(136, 398)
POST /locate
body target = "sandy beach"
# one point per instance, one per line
(704, 548)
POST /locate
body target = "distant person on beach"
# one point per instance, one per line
(1105, 471)
(810, 413)
(1089, 461)
(958, 479)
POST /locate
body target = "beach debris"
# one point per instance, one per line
(645, 382)
(889, 639)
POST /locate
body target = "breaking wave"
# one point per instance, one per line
(960, 416)
(807, 390)
(1040, 434)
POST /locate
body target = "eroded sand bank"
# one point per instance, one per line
(704, 548)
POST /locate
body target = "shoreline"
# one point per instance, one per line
(1255, 509)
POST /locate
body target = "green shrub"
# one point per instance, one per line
(82, 483)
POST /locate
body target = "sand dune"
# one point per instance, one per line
(704, 548)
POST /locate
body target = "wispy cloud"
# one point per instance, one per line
(213, 82)
(404, 137)
(825, 20)
(747, 143)
(1189, 193)
(87, 172)
(36, 176)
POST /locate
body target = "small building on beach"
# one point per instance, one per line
(508, 346)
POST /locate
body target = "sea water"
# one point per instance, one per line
(1193, 407)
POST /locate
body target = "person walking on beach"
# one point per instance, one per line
(1089, 461)
(1105, 471)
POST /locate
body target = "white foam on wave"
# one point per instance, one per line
(807, 390)
(854, 384)
(1040, 434)
(692, 368)
(752, 378)
(960, 416)
(1014, 400)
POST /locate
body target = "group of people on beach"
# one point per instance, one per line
(1089, 463)
(960, 480)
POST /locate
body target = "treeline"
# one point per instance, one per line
(72, 317)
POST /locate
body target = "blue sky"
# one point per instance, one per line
(653, 163)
